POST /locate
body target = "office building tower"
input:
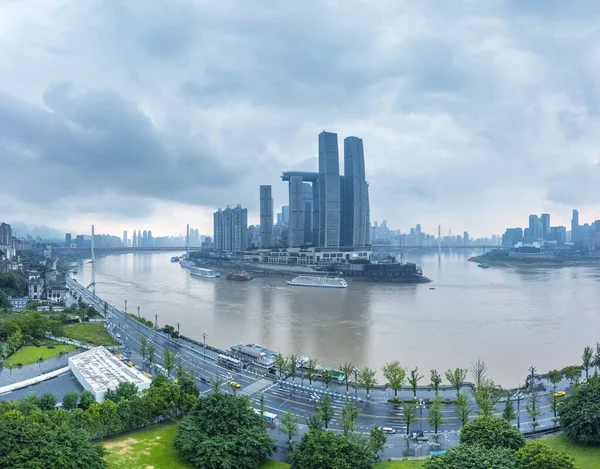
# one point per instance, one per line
(266, 217)
(68, 239)
(466, 237)
(296, 212)
(329, 190)
(307, 195)
(355, 193)
(5, 235)
(134, 243)
(575, 226)
(125, 242)
(545, 220)
(285, 214)
(343, 207)
(145, 239)
(279, 218)
(534, 226)
(230, 229)
(149, 240)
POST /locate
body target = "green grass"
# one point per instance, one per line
(30, 354)
(153, 447)
(90, 333)
(585, 457)
(399, 465)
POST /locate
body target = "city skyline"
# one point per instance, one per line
(471, 130)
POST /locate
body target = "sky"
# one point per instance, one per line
(137, 114)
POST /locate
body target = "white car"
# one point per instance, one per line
(118, 336)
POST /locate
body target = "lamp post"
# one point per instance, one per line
(155, 320)
(204, 338)
(518, 396)
(356, 370)
(178, 335)
(125, 306)
(421, 406)
(138, 312)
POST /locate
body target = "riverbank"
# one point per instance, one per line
(515, 262)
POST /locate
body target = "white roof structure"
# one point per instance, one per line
(98, 370)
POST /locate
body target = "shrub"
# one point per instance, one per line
(492, 432)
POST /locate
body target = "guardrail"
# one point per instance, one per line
(35, 380)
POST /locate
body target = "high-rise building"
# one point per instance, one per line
(575, 226)
(230, 229)
(466, 237)
(296, 212)
(266, 217)
(535, 225)
(329, 190)
(545, 220)
(5, 235)
(279, 218)
(355, 193)
(68, 239)
(285, 214)
(144, 242)
(307, 195)
(125, 242)
(134, 244)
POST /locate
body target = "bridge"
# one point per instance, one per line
(388, 247)
(122, 249)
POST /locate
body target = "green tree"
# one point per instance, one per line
(536, 455)
(533, 408)
(572, 373)
(144, 347)
(492, 432)
(168, 361)
(311, 369)
(409, 413)
(151, 354)
(327, 376)
(486, 398)
(105, 309)
(456, 378)
(435, 417)
(288, 425)
(15, 340)
(314, 421)
(319, 450)
(473, 457)
(395, 375)
(347, 369)
(222, 431)
(47, 401)
(587, 359)
(86, 399)
(580, 413)
(325, 409)
(597, 356)
(281, 364)
(462, 408)
(292, 362)
(436, 380)
(413, 380)
(366, 379)
(69, 401)
(377, 440)
(508, 413)
(555, 377)
(350, 413)
(554, 405)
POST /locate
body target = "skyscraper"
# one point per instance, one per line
(545, 226)
(230, 229)
(329, 190)
(285, 214)
(355, 193)
(135, 243)
(534, 226)
(266, 217)
(67, 239)
(575, 226)
(307, 195)
(125, 238)
(296, 212)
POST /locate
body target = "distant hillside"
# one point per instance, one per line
(22, 230)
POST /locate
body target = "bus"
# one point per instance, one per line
(228, 362)
(268, 416)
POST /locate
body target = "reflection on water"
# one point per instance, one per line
(510, 318)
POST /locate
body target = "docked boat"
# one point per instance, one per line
(322, 282)
(174, 259)
(205, 273)
(386, 271)
(187, 264)
(239, 276)
(483, 266)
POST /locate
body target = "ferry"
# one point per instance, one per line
(174, 259)
(321, 282)
(206, 273)
(187, 264)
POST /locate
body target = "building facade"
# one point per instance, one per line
(230, 228)
(296, 212)
(329, 190)
(355, 199)
(266, 217)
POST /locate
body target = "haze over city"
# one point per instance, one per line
(134, 115)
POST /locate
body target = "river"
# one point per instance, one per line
(510, 318)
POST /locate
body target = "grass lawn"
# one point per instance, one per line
(585, 457)
(89, 332)
(30, 354)
(399, 465)
(152, 448)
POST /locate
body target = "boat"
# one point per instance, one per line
(174, 259)
(205, 273)
(187, 264)
(322, 282)
(75, 271)
(268, 285)
(239, 276)
(385, 271)
(483, 266)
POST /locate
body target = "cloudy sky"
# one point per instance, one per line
(151, 114)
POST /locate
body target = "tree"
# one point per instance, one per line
(413, 380)
(555, 377)
(554, 405)
(168, 361)
(587, 359)
(313, 421)
(69, 401)
(292, 362)
(492, 432)
(473, 457)
(508, 413)
(456, 378)
(144, 347)
(409, 412)
(580, 413)
(311, 368)
(105, 309)
(326, 411)
(435, 417)
(327, 376)
(572, 373)
(597, 356)
(436, 380)
(533, 408)
(151, 351)
(377, 439)
(462, 409)
(222, 431)
(479, 372)
(281, 365)
(350, 413)
(395, 375)
(86, 399)
(366, 379)
(535, 455)
(288, 425)
(486, 398)
(15, 340)
(347, 369)
(318, 450)
(47, 401)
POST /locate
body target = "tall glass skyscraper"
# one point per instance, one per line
(355, 198)
(266, 217)
(329, 190)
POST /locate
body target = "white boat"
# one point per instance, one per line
(187, 264)
(206, 273)
(322, 282)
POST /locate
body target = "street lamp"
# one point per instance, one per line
(138, 312)
(125, 306)
(518, 396)
(178, 335)
(204, 337)
(421, 406)
(355, 370)
(155, 320)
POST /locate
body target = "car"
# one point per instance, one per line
(235, 385)
(388, 430)
(204, 379)
(560, 394)
(118, 336)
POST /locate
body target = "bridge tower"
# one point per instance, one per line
(439, 239)
(187, 240)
